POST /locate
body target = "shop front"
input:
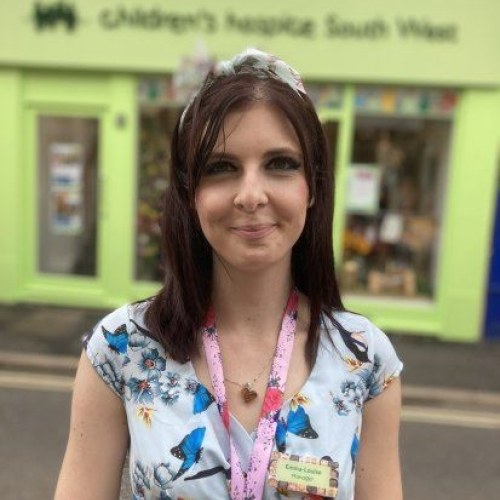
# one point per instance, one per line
(410, 101)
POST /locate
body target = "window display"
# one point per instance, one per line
(161, 100)
(325, 96)
(155, 132)
(395, 193)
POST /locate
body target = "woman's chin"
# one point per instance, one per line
(256, 263)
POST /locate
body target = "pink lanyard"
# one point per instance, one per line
(251, 485)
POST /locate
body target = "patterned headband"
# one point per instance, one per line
(258, 63)
(262, 65)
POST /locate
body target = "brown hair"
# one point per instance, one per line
(175, 315)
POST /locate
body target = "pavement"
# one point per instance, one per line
(27, 330)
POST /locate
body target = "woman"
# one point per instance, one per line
(244, 377)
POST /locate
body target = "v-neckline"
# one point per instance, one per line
(285, 404)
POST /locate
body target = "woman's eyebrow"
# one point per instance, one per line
(222, 155)
(283, 151)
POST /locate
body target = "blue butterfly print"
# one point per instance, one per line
(354, 451)
(202, 399)
(189, 450)
(297, 423)
(117, 340)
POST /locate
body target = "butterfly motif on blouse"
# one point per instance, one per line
(117, 340)
(202, 399)
(297, 423)
(354, 450)
(189, 450)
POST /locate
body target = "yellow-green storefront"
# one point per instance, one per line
(409, 93)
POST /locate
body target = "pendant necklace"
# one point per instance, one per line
(248, 393)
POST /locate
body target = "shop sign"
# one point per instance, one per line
(381, 40)
(51, 14)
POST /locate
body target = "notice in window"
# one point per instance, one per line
(363, 188)
(66, 188)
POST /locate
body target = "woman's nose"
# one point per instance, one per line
(251, 192)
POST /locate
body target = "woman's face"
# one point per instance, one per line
(253, 195)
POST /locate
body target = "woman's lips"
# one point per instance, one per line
(254, 232)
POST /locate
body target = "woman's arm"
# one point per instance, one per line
(98, 440)
(378, 473)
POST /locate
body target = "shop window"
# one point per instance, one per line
(155, 132)
(396, 187)
(161, 100)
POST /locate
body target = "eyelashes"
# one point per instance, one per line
(218, 167)
(276, 164)
(283, 163)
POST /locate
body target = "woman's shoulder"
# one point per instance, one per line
(119, 324)
(120, 343)
(362, 346)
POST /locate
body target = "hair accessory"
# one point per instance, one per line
(262, 65)
(254, 62)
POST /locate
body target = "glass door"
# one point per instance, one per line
(67, 189)
(77, 186)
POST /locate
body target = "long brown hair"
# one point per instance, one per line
(175, 315)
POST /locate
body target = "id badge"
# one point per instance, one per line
(308, 475)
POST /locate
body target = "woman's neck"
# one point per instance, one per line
(250, 304)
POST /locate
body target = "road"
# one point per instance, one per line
(450, 440)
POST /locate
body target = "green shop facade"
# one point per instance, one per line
(409, 94)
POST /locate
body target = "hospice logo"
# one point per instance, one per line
(54, 14)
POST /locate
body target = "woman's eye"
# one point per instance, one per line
(283, 163)
(218, 167)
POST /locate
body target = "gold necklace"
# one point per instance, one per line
(248, 393)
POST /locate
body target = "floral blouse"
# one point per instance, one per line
(179, 448)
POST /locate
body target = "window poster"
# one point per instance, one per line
(363, 188)
(66, 188)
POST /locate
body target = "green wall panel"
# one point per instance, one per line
(12, 177)
(469, 217)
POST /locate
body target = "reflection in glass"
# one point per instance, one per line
(67, 195)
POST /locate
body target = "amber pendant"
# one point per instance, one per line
(248, 394)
